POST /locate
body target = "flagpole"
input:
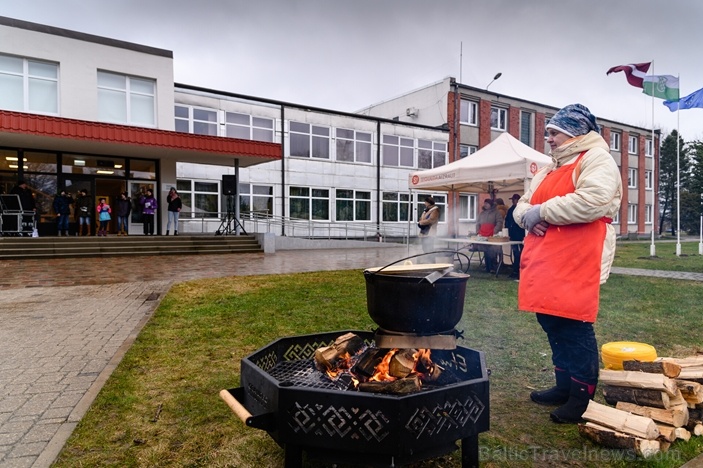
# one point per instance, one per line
(655, 204)
(678, 182)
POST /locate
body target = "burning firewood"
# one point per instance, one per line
(402, 363)
(395, 387)
(366, 365)
(328, 357)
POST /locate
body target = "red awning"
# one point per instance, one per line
(41, 132)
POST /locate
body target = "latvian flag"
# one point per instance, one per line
(634, 72)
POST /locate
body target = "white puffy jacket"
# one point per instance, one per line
(598, 191)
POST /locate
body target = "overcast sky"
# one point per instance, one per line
(347, 54)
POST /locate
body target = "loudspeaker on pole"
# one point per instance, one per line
(229, 184)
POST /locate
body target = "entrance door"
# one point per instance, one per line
(74, 184)
(110, 190)
(136, 190)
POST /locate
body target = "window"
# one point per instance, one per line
(309, 141)
(647, 214)
(126, 99)
(499, 118)
(615, 141)
(248, 127)
(309, 203)
(29, 85)
(631, 214)
(616, 218)
(648, 180)
(632, 145)
(632, 178)
(256, 199)
(431, 154)
(200, 198)
(440, 201)
(546, 121)
(397, 151)
(526, 128)
(648, 148)
(353, 205)
(353, 146)
(395, 206)
(466, 150)
(467, 207)
(468, 113)
(196, 120)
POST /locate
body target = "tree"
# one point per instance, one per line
(667, 178)
(695, 202)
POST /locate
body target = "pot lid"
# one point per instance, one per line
(412, 268)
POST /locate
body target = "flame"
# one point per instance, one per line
(381, 374)
(343, 364)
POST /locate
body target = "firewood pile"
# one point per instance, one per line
(653, 405)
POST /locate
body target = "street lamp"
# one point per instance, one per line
(498, 75)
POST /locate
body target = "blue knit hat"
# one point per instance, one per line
(573, 120)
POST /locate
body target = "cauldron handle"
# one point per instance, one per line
(433, 276)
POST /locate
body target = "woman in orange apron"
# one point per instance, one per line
(568, 253)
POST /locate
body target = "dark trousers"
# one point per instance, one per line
(517, 252)
(148, 224)
(574, 346)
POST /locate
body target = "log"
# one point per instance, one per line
(634, 379)
(676, 417)
(638, 396)
(613, 439)
(692, 361)
(402, 363)
(677, 400)
(349, 343)
(669, 369)
(666, 432)
(696, 429)
(621, 421)
(326, 358)
(689, 373)
(692, 392)
(395, 387)
(682, 433)
(366, 365)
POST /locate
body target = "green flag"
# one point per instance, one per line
(662, 86)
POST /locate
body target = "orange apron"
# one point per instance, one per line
(560, 271)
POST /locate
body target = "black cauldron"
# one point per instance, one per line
(409, 303)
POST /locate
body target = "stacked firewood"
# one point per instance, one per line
(655, 403)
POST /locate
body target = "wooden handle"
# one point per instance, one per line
(242, 413)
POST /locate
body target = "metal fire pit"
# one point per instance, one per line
(302, 410)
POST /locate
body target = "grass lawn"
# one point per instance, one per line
(637, 255)
(161, 406)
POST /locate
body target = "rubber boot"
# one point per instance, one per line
(579, 396)
(175, 233)
(557, 395)
(167, 233)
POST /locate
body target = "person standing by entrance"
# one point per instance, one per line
(515, 233)
(62, 208)
(569, 249)
(148, 202)
(174, 209)
(104, 217)
(84, 211)
(123, 208)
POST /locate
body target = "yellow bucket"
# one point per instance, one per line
(614, 353)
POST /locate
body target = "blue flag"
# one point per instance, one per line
(695, 99)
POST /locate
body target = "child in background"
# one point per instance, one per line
(104, 211)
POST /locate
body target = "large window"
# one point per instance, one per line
(631, 214)
(468, 113)
(499, 118)
(648, 148)
(526, 128)
(309, 141)
(198, 120)
(310, 203)
(353, 205)
(466, 150)
(648, 180)
(632, 178)
(398, 151)
(126, 99)
(648, 214)
(248, 127)
(200, 198)
(29, 85)
(353, 146)
(615, 141)
(396, 206)
(431, 154)
(440, 201)
(632, 145)
(256, 199)
(467, 207)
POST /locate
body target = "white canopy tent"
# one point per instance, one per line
(504, 165)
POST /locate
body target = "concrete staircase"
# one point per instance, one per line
(113, 245)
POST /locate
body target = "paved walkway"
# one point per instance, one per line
(66, 324)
